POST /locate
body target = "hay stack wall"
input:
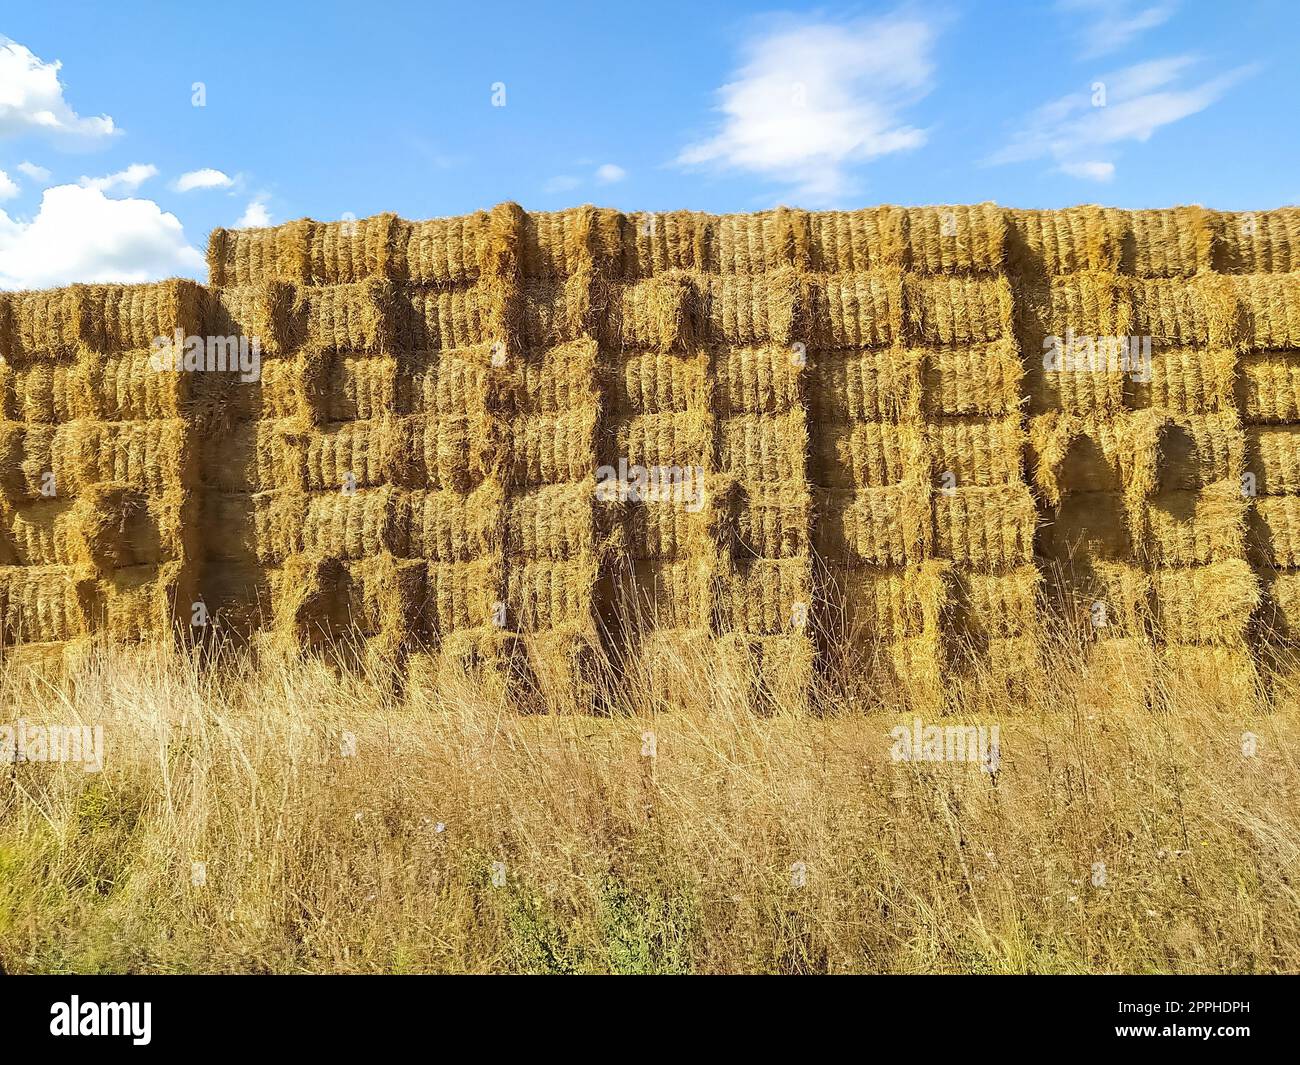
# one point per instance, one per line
(848, 436)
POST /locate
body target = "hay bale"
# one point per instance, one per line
(983, 379)
(985, 526)
(884, 526)
(1269, 387)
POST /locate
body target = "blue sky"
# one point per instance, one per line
(332, 110)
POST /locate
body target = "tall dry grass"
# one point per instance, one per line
(1125, 830)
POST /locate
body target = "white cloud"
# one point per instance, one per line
(1078, 130)
(31, 99)
(36, 173)
(8, 187)
(1113, 24)
(207, 178)
(255, 214)
(79, 234)
(562, 183)
(609, 173)
(1091, 170)
(129, 179)
(814, 98)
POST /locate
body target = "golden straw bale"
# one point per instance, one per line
(1280, 615)
(955, 239)
(1270, 305)
(1269, 387)
(665, 594)
(881, 384)
(767, 596)
(977, 451)
(1273, 458)
(1257, 242)
(857, 310)
(988, 606)
(447, 525)
(894, 602)
(670, 438)
(1185, 380)
(443, 251)
(1167, 243)
(1070, 241)
(869, 454)
(544, 593)
(1275, 530)
(41, 604)
(658, 383)
(982, 379)
(553, 447)
(464, 595)
(1209, 604)
(757, 381)
(659, 242)
(958, 310)
(772, 520)
(986, 527)
(887, 526)
(661, 313)
(1188, 528)
(858, 241)
(555, 521)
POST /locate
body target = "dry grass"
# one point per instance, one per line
(613, 861)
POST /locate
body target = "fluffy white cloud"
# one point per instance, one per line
(207, 178)
(255, 214)
(129, 179)
(31, 99)
(79, 234)
(1113, 24)
(1078, 130)
(812, 99)
(8, 187)
(36, 173)
(609, 173)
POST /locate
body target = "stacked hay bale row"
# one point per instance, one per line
(1131, 338)
(959, 318)
(924, 518)
(666, 558)
(518, 432)
(1259, 251)
(98, 522)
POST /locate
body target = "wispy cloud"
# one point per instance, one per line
(609, 173)
(1114, 24)
(812, 99)
(8, 186)
(207, 178)
(36, 173)
(1082, 132)
(31, 99)
(562, 183)
(129, 179)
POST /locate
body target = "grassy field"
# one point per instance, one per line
(268, 815)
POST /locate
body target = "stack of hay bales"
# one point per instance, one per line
(1137, 443)
(98, 520)
(519, 440)
(1261, 253)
